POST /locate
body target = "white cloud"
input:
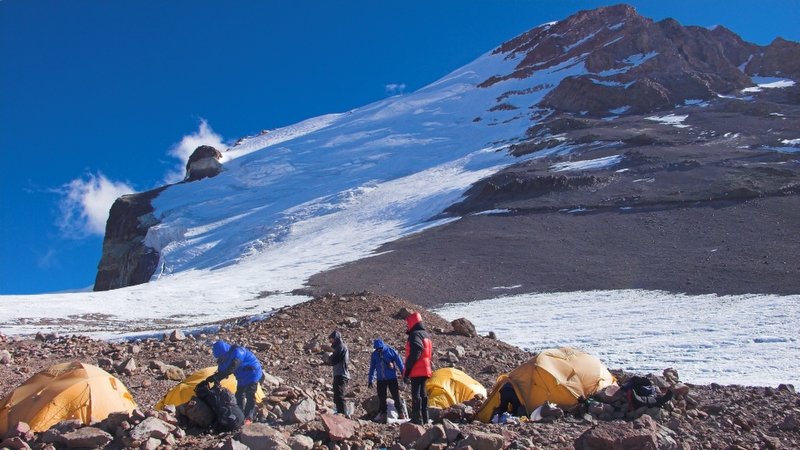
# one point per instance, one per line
(86, 202)
(183, 149)
(395, 88)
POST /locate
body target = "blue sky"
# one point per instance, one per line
(97, 97)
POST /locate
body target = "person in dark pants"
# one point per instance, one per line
(419, 350)
(385, 363)
(244, 365)
(340, 360)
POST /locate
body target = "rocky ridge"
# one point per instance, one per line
(126, 260)
(291, 344)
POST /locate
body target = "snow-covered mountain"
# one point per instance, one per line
(555, 119)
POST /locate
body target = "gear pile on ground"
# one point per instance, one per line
(296, 412)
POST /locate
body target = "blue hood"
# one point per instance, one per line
(378, 344)
(220, 348)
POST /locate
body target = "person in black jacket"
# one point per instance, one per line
(340, 360)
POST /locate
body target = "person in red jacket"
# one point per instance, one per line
(419, 350)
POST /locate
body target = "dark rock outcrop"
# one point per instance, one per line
(204, 163)
(126, 260)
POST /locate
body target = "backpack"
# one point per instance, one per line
(642, 386)
(229, 416)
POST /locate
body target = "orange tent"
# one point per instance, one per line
(63, 392)
(558, 375)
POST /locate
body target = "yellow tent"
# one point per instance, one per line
(184, 391)
(557, 375)
(64, 392)
(448, 387)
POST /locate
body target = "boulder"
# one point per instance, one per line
(464, 327)
(151, 427)
(5, 357)
(176, 335)
(478, 440)
(127, 367)
(204, 163)
(433, 434)
(174, 373)
(409, 433)
(608, 394)
(301, 442)
(150, 444)
(451, 431)
(303, 411)
(233, 444)
(90, 437)
(260, 436)
(20, 430)
(339, 428)
(14, 443)
(643, 434)
(680, 390)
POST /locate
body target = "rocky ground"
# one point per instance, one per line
(292, 342)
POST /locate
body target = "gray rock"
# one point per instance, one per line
(151, 427)
(233, 444)
(151, 444)
(174, 373)
(451, 431)
(127, 367)
(176, 335)
(301, 442)
(260, 436)
(5, 357)
(86, 437)
(303, 411)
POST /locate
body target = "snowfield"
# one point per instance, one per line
(739, 339)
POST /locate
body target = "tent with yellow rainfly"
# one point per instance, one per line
(559, 376)
(448, 387)
(65, 391)
(184, 391)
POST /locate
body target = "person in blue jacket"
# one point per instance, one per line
(244, 365)
(385, 363)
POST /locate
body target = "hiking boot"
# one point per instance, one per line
(380, 418)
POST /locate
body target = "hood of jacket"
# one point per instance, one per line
(337, 338)
(220, 348)
(378, 344)
(413, 320)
